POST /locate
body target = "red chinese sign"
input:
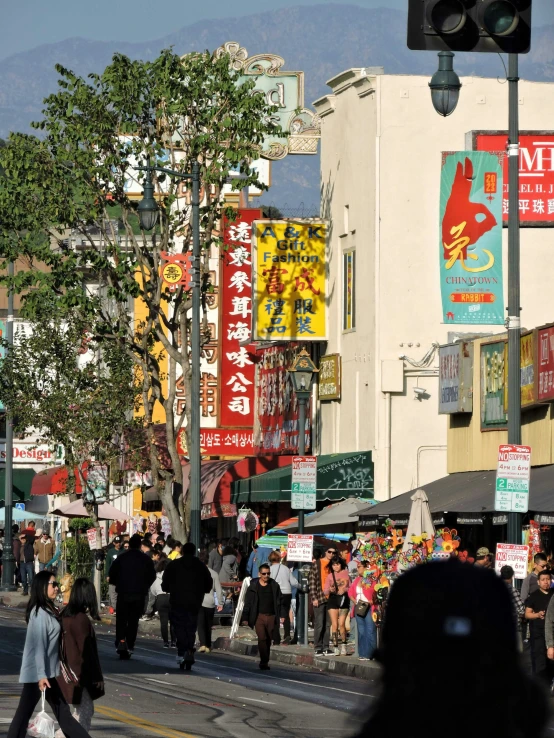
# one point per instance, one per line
(176, 270)
(536, 174)
(545, 342)
(221, 442)
(276, 417)
(236, 408)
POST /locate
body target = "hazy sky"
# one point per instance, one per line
(29, 23)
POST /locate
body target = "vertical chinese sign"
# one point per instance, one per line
(493, 380)
(545, 350)
(289, 280)
(276, 418)
(471, 238)
(237, 354)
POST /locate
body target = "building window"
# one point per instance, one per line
(349, 290)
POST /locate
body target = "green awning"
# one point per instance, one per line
(22, 479)
(338, 476)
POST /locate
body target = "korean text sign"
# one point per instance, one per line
(237, 360)
(289, 280)
(536, 174)
(471, 238)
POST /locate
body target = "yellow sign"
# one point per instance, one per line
(289, 280)
(172, 273)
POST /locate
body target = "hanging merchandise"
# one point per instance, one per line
(166, 526)
(386, 558)
(247, 521)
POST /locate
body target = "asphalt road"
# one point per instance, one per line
(225, 695)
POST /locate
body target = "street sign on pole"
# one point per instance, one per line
(304, 483)
(300, 547)
(512, 478)
(510, 554)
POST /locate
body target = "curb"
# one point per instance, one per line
(13, 600)
(346, 668)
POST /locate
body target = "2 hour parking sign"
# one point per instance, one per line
(512, 478)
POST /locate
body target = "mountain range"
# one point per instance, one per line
(321, 40)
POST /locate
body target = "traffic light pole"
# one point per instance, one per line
(514, 321)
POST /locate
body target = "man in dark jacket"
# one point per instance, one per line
(186, 580)
(27, 561)
(262, 605)
(132, 573)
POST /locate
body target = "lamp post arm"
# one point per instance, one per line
(171, 172)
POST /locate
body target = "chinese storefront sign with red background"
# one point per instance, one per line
(545, 350)
(276, 412)
(536, 173)
(237, 357)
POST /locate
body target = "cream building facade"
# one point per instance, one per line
(380, 179)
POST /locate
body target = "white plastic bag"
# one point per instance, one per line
(42, 725)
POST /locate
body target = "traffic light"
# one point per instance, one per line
(487, 26)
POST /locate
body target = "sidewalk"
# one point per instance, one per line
(245, 644)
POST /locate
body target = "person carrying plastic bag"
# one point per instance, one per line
(40, 666)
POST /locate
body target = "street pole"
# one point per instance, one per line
(514, 323)
(302, 608)
(195, 458)
(8, 560)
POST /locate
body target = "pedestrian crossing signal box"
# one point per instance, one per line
(486, 26)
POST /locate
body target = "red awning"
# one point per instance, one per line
(216, 478)
(54, 482)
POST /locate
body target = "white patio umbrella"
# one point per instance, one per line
(77, 509)
(420, 519)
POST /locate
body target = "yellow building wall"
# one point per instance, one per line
(470, 449)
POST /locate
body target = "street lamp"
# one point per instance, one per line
(445, 85)
(9, 563)
(148, 215)
(302, 374)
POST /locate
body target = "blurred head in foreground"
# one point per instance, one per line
(450, 658)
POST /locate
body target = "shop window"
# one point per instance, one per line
(349, 290)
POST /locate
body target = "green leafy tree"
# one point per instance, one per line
(63, 387)
(69, 187)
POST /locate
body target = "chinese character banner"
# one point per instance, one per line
(237, 363)
(471, 238)
(289, 280)
(536, 174)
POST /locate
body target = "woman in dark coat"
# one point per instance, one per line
(82, 681)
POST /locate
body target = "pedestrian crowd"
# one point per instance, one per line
(185, 588)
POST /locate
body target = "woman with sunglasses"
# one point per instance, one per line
(40, 667)
(82, 680)
(336, 588)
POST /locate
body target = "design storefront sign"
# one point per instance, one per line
(471, 238)
(289, 280)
